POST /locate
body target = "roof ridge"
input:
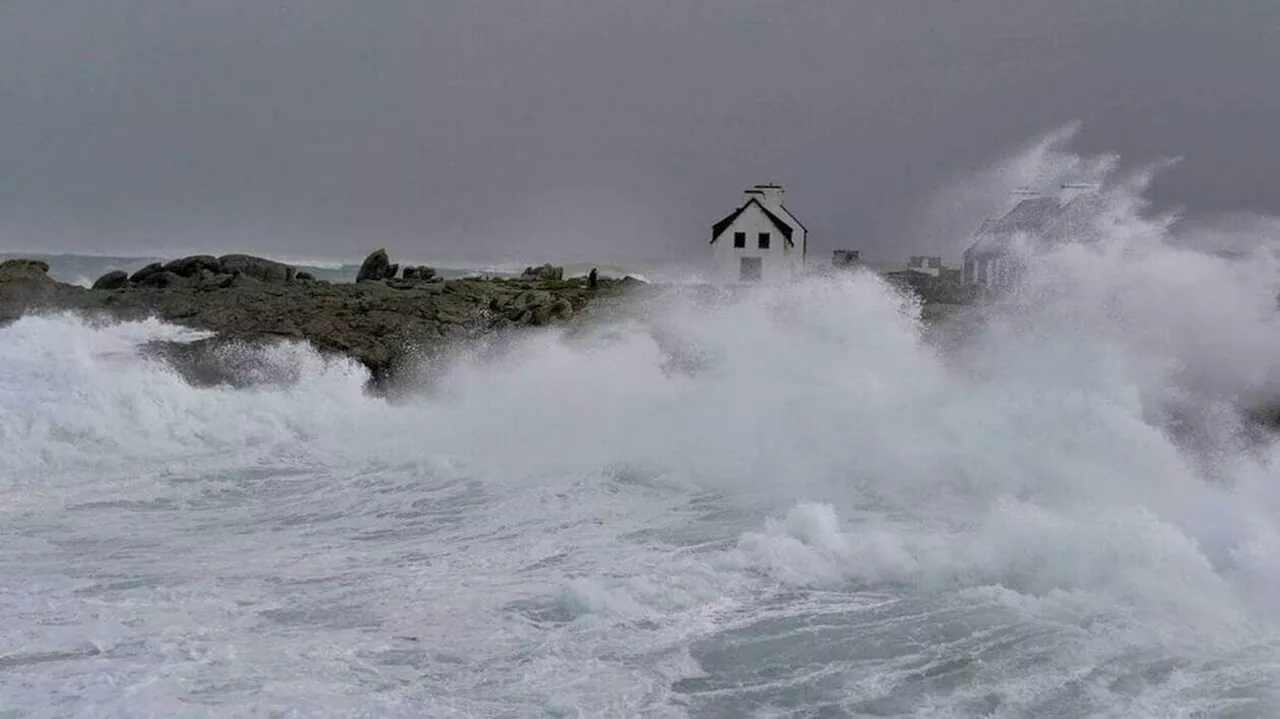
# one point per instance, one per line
(787, 230)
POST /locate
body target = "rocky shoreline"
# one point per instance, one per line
(387, 319)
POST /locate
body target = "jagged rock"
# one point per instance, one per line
(163, 279)
(25, 284)
(532, 298)
(451, 317)
(193, 265)
(114, 280)
(561, 309)
(543, 273)
(305, 277)
(257, 268)
(525, 303)
(210, 281)
(392, 271)
(420, 273)
(374, 267)
(536, 307)
(154, 268)
(12, 270)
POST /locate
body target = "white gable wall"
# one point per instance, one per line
(779, 263)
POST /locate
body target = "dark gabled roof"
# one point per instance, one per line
(1033, 215)
(759, 190)
(719, 228)
(792, 215)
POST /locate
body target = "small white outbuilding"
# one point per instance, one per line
(761, 241)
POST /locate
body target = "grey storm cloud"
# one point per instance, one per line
(594, 128)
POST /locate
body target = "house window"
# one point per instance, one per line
(739, 239)
(750, 269)
(764, 240)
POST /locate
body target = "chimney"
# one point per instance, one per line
(769, 195)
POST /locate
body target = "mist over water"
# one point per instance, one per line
(793, 501)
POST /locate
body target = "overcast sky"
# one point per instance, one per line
(552, 129)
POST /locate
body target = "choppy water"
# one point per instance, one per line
(784, 505)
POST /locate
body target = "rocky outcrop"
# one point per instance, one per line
(24, 270)
(535, 307)
(204, 271)
(383, 324)
(421, 273)
(377, 266)
(164, 278)
(189, 267)
(114, 280)
(545, 273)
(25, 284)
(262, 270)
(152, 269)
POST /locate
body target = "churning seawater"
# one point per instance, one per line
(786, 503)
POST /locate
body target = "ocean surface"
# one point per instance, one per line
(793, 502)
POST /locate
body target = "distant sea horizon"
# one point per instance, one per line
(82, 268)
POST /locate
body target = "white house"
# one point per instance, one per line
(992, 260)
(761, 241)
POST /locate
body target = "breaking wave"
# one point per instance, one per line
(781, 502)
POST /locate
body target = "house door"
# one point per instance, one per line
(750, 269)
